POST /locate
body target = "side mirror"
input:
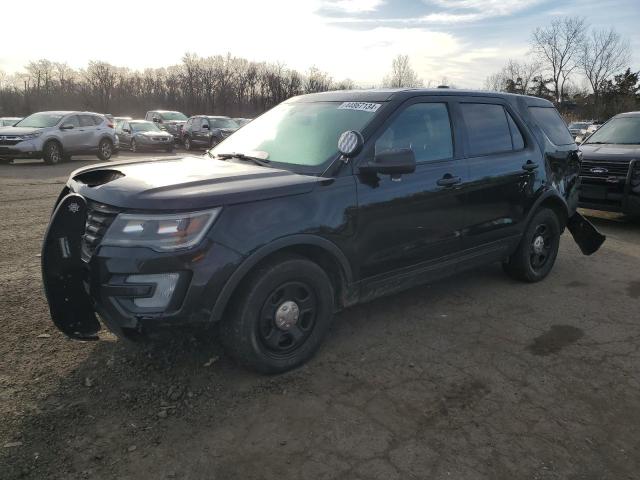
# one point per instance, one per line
(205, 126)
(126, 130)
(350, 143)
(156, 120)
(579, 139)
(392, 162)
(66, 126)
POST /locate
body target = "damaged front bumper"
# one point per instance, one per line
(585, 234)
(130, 289)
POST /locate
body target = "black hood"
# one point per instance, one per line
(610, 152)
(185, 183)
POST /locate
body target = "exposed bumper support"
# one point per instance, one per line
(585, 234)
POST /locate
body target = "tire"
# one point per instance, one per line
(52, 153)
(261, 330)
(187, 143)
(536, 254)
(134, 146)
(213, 142)
(170, 149)
(105, 149)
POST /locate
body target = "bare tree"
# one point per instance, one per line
(604, 53)
(558, 47)
(402, 74)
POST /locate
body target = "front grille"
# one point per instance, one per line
(99, 219)
(603, 169)
(159, 139)
(9, 140)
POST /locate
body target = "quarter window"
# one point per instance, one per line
(424, 128)
(487, 128)
(552, 124)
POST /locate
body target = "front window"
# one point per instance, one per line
(621, 131)
(145, 127)
(173, 116)
(223, 123)
(303, 134)
(40, 120)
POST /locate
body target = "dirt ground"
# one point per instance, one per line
(475, 377)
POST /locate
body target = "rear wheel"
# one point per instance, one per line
(538, 249)
(52, 153)
(280, 316)
(105, 149)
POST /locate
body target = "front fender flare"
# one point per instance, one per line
(253, 259)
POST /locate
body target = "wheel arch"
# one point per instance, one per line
(553, 200)
(317, 249)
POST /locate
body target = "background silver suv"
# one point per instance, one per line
(55, 136)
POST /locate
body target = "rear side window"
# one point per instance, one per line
(98, 120)
(424, 128)
(86, 121)
(487, 128)
(552, 124)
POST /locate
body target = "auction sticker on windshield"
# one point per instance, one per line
(364, 106)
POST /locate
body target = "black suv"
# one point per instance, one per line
(207, 131)
(610, 170)
(325, 201)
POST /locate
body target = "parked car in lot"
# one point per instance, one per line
(119, 120)
(325, 201)
(56, 136)
(205, 131)
(169, 121)
(610, 168)
(9, 121)
(138, 135)
(578, 128)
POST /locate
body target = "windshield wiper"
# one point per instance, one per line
(241, 156)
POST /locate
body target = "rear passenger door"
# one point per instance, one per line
(88, 130)
(498, 151)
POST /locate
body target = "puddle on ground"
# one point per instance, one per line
(558, 337)
(633, 290)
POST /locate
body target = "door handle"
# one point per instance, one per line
(529, 166)
(448, 181)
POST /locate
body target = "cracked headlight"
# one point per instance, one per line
(160, 232)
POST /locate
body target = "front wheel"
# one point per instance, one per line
(134, 146)
(538, 248)
(105, 149)
(52, 153)
(187, 143)
(280, 316)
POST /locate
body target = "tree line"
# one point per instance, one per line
(584, 71)
(221, 84)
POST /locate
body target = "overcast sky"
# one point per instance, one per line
(463, 40)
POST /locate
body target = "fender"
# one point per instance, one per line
(260, 254)
(546, 194)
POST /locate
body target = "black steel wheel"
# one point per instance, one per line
(536, 254)
(279, 316)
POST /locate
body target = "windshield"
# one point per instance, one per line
(304, 134)
(173, 116)
(223, 123)
(40, 120)
(621, 130)
(144, 127)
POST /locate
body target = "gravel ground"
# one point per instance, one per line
(475, 377)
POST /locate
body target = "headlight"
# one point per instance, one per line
(31, 136)
(163, 232)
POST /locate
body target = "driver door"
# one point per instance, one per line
(72, 139)
(411, 226)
